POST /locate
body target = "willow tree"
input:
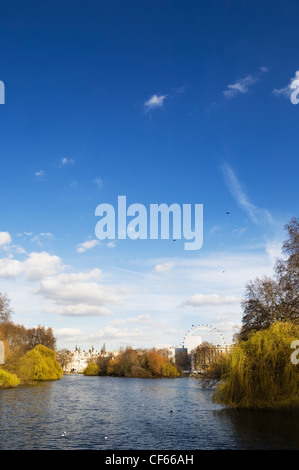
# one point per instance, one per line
(92, 369)
(260, 372)
(39, 364)
(8, 380)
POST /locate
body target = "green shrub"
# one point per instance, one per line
(8, 380)
(169, 370)
(39, 364)
(92, 369)
(260, 373)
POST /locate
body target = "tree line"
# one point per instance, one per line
(131, 362)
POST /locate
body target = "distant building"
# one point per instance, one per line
(203, 356)
(196, 360)
(178, 355)
(81, 358)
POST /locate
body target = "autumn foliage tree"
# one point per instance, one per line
(141, 363)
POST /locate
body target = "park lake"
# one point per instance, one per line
(118, 413)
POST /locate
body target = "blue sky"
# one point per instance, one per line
(183, 102)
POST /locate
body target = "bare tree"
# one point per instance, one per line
(5, 310)
(40, 335)
(64, 357)
(270, 300)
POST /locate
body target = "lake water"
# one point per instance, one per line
(126, 413)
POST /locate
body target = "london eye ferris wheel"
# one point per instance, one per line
(201, 333)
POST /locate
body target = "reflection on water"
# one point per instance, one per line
(119, 413)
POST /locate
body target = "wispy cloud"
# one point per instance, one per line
(41, 237)
(240, 87)
(264, 69)
(154, 102)
(99, 182)
(66, 161)
(39, 174)
(81, 247)
(202, 300)
(111, 244)
(256, 214)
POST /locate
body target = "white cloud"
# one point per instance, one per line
(89, 293)
(94, 274)
(5, 238)
(40, 265)
(78, 294)
(35, 267)
(10, 268)
(202, 300)
(155, 101)
(79, 310)
(240, 87)
(81, 247)
(70, 335)
(161, 268)
(256, 214)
